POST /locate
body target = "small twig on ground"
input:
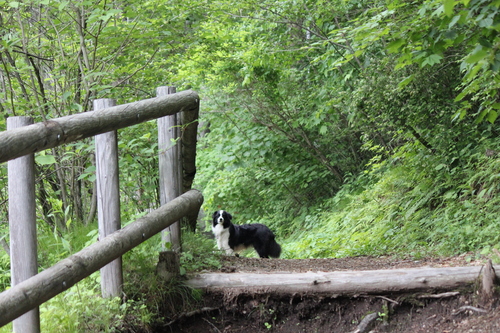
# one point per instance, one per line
(442, 295)
(468, 308)
(388, 299)
(367, 323)
(215, 327)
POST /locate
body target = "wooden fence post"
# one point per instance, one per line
(108, 200)
(22, 225)
(189, 124)
(170, 168)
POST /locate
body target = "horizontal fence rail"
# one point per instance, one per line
(40, 288)
(52, 133)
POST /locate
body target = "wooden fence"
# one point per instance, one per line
(17, 146)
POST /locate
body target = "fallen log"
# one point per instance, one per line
(340, 283)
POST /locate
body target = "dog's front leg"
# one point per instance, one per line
(219, 243)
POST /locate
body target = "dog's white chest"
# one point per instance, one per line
(218, 230)
(222, 237)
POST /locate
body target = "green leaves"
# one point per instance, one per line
(478, 54)
(45, 159)
(431, 60)
(89, 173)
(406, 81)
(395, 45)
(449, 5)
(14, 4)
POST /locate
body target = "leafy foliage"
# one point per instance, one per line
(198, 253)
(296, 113)
(359, 127)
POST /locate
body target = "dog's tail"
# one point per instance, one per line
(274, 249)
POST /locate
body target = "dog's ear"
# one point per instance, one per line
(213, 215)
(229, 216)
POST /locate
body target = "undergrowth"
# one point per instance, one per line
(410, 204)
(147, 301)
(198, 253)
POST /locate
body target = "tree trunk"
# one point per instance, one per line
(93, 205)
(189, 137)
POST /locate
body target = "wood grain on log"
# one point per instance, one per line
(341, 282)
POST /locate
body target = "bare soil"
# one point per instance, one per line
(413, 313)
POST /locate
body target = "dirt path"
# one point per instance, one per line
(235, 264)
(394, 312)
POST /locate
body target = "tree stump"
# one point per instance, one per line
(168, 265)
(488, 283)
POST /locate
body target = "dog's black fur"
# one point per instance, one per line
(233, 238)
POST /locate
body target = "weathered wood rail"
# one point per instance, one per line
(52, 133)
(31, 290)
(40, 288)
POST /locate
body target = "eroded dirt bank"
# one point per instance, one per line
(271, 314)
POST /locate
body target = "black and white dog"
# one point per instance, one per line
(233, 238)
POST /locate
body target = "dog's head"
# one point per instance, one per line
(221, 217)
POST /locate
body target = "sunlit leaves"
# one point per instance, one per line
(435, 32)
(45, 159)
(14, 4)
(448, 5)
(406, 81)
(478, 54)
(431, 60)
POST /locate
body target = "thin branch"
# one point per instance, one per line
(30, 54)
(442, 295)
(466, 308)
(137, 70)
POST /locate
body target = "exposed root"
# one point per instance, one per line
(367, 323)
(388, 300)
(468, 308)
(190, 314)
(213, 326)
(442, 295)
